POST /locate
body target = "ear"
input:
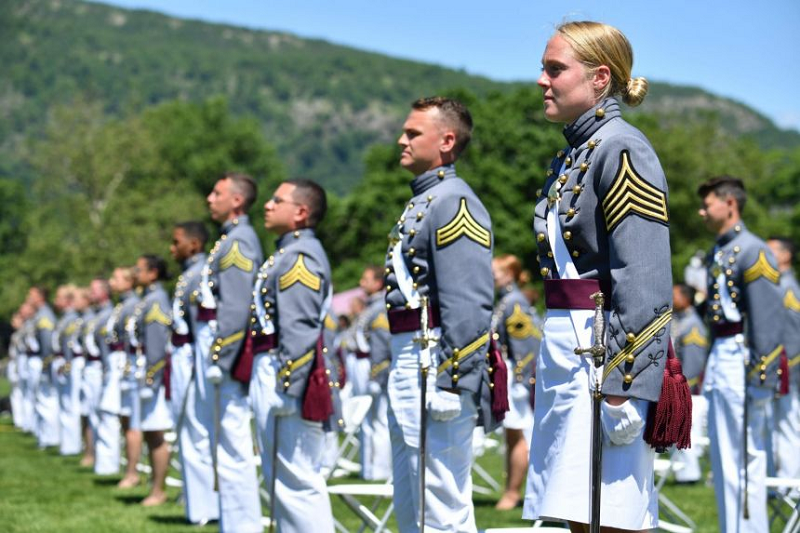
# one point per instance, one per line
(601, 78)
(448, 142)
(301, 215)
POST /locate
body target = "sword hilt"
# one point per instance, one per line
(598, 350)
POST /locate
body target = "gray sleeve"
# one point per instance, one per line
(236, 276)
(632, 193)
(156, 325)
(462, 263)
(44, 333)
(521, 340)
(692, 348)
(301, 292)
(379, 350)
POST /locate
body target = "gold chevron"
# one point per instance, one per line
(151, 372)
(294, 365)
(236, 258)
(791, 302)
(155, 314)
(380, 322)
(299, 273)
(71, 327)
(45, 323)
(794, 361)
(330, 323)
(380, 367)
(692, 382)
(463, 224)
(464, 352)
(239, 335)
(761, 268)
(521, 364)
(631, 194)
(766, 360)
(695, 337)
(639, 340)
(519, 324)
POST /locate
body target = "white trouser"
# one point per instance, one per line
(724, 387)
(690, 457)
(16, 392)
(28, 393)
(301, 496)
(360, 377)
(111, 397)
(376, 446)
(786, 435)
(448, 480)
(107, 439)
(91, 389)
(239, 503)
(69, 403)
(47, 427)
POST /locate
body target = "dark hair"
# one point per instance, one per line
(104, 282)
(454, 114)
(244, 185)
(157, 263)
(312, 195)
(786, 243)
(43, 291)
(376, 271)
(725, 187)
(194, 229)
(686, 291)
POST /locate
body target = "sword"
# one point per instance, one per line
(274, 475)
(214, 444)
(597, 352)
(424, 365)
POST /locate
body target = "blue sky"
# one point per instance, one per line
(744, 50)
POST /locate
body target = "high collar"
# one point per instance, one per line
(507, 289)
(731, 234)
(151, 288)
(127, 295)
(592, 120)
(291, 236)
(103, 306)
(375, 296)
(230, 224)
(428, 179)
(201, 256)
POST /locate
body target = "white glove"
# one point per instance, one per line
(214, 374)
(621, 423)
(124, 385)
(443, 405)
(374, 388)
(519, 392)
(145, 393)
(285, 406)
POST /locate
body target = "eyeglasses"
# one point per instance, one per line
(277, 200)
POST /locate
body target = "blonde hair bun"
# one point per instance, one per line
(635, 91)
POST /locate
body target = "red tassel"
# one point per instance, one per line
(167, 377)
(317, 400)
(243, 367)
(670, 420)
(784, 373)
(499, 380)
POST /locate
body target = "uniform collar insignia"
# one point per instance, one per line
(584, 128)
(731, 234)
(428, 179)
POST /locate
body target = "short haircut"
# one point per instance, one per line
(786, 243)
(157, 263)
(376, 271)
(43, 291)
(244, 185)
(725, 187)
(194, 229)
(104, 283)
(453, 114)
(312, 195)
(686, 291)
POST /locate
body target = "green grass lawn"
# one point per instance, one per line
(44, 492)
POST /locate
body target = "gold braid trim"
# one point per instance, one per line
(640, 340)
(692, 382)
(151, 372)
(155, 314)
(380, 367)
(794, 361)
(765, 361)
(464, 352)
(239, 335)
(521, 364)
(294, 365)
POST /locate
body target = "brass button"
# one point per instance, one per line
(568, 162)
(575, 253)
(455, 365)
(734, 294)
(567, 235)
(560, 154)
(570, 212)
(576, 189)
(416, 270)
(736, 249)
(591, 145)
(550, 254)
(540, 237)
(440, 174)
(600, 113)
(584, 166)
(562, 179)
(628, 379)
(549, 172)
(455, 378)
(630, 358)
(411, 251)
(544, 271)
(631, 337)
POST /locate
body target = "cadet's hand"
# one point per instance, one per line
(285, 406)
(443, 405)
(520, 392)
(374, 388)
(214, 374)
(621, 423)
(145, 393)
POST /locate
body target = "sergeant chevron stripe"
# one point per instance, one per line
(463, 224)
(235, 258)
(45, 323)
(791, 302)
(631, 194)
(695, 337)
(155, 314)
(640, 340)
(761, 268)
(380, 322)
(299, 273)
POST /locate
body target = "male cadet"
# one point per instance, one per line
(221, 401)
(440, 254)
(80, 406)
(744, 310)
(27, 330)
(107, 447)
(786, 407)
(69, 382)
(372, 341)
(290, 388)
(188, 242)
(54, 368)
(96, 349)
(44, 397)
(690, 340)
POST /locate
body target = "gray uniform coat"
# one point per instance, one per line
(154, 331)
(519, 337)
(791, 301)
(374, 327)
(187, 291)
(690, 338)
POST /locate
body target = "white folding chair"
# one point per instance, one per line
(480, 444)
(667, 508)
(350, 494)
(784, 504)
(354, 411)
